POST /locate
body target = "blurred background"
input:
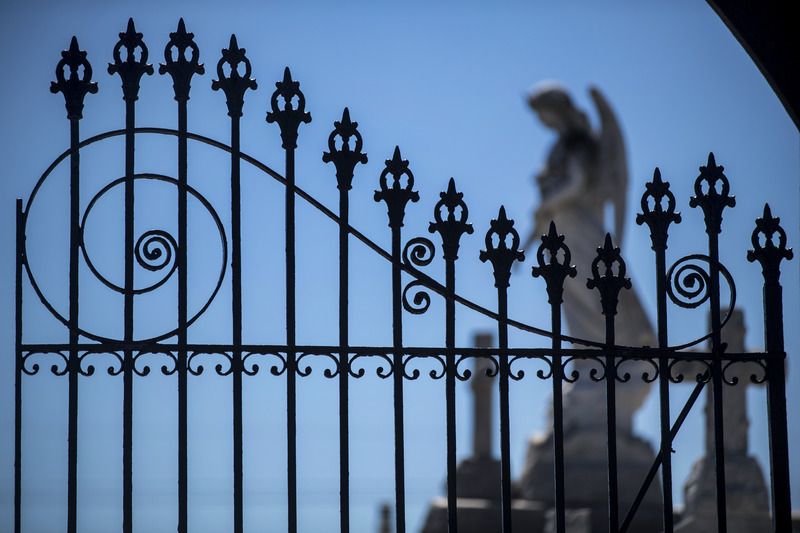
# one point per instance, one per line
(447, 83)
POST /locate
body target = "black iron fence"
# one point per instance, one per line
(155, 258)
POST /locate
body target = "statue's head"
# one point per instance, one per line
(555, 109)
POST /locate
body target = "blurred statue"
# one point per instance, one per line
(585, 174)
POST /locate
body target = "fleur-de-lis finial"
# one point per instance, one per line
(608, 283)
(345, 159)
(712, 201)
(501, 255)
(235, 84)
(549, 267)
(396, 196)
(769, 254)
(451, 228)
(177, 65)
(658, 218)
(289, 117)
(130, 69)
(74, 87)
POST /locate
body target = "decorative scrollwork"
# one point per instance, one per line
(381, 372)
(328, 373)
(422, 251)
(421, 301)
(222, 370)
(154, 251)
(433, 373)
(757, 378)
(167, 369)
(690, 283)
(678, 368)
(114, 368)
(688, 287)
(491, 370)
(60, 368)
(596, 373)
(251, 369)
(647, 376)
(541, 374)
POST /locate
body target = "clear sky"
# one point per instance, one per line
(446, 82)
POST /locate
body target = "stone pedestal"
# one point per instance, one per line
(586, 477)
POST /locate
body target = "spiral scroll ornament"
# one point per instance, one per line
(688, 282)
(418, 252)
(154, 255)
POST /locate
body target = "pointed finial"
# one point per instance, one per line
(712, 201)
(553, 271)
(180, 67)
(451, 228)
(659, 216)
(130, 69)
(74, 88)
(290, 116)
(346, 117)
(345, 159)
(502, 256)
(396, 196)
(234, 84)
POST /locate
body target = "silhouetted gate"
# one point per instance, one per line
(155, 256)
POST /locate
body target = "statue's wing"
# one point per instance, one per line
(612, 171)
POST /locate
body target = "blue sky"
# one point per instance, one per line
(446, 82)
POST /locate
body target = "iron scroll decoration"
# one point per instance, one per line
(155, 248)
(155, 251)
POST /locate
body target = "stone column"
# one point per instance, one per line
(746, 490)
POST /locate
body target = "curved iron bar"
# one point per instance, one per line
(100, 338)
(166, 370)
(328, 373)
(685, 286)
(624, 377)
(539, 373)
(754, 378)
(700, 377)
(146, 241)
(111, 369)
(218, 368)
(416, 373)
(54, 368)
(381, 372)
(407, 268)
(573, 376)
(252, 370)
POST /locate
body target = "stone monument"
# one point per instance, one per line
(585, 172)
(745, 488)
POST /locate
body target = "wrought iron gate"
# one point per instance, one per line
(155, 258)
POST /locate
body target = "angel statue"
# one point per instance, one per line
(585, 173)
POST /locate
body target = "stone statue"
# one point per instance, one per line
(585, 173)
